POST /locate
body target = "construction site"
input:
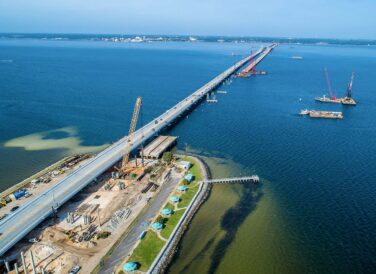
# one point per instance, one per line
(76, 237)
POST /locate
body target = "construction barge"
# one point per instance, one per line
(347, 100)
(322, 114)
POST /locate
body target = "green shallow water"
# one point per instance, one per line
(234, 232)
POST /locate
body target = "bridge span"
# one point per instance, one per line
(14, 227)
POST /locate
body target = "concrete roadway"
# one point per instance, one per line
(14, 227)
(126, 245)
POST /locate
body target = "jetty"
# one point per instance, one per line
(235, 180)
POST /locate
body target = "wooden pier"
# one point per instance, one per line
(235, 180)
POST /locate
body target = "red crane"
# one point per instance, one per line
(332, 97)
(253, 70)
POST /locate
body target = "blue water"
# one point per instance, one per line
(321, 172)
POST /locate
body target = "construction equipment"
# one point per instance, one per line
(349, 87)
(132, 128)
(332, 96)
(72, 232)
(250, 69)
(348, 100)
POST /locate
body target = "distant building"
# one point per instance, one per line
(184, 165)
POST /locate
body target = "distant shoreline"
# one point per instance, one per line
(144, 38)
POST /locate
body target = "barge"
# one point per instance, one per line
(322, 114)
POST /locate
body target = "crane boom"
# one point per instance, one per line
(132, 128)
(329, 86)
(349, 87)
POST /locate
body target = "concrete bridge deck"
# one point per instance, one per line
(14, 227)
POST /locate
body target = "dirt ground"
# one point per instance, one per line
(111, 204)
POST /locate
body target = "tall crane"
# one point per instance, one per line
(332, 97)
(132, 128)
(349, 87)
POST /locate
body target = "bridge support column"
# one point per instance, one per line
(23, 262)
(32, 262)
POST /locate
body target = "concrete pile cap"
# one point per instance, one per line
(130, 266)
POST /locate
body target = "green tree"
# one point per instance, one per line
(167, 156)
(160, 219)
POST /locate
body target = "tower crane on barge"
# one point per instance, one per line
(348, 100)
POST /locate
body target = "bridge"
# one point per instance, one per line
(235, 180)
(251, 67)
(16, 226)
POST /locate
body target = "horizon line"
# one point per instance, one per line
(190, 35)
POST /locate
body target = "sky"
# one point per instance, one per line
(277, 18)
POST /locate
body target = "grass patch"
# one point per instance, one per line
(171, 223)
(187, 197)
(147, 250)
(169, 206)
(195, 169)
(150, 246)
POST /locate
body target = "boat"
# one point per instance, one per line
(304, 112)
(297, 57)
(325, 99)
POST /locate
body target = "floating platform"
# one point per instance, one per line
(249, 74)
(322, 114)
(348, 101)
(343, 101)
(212, 101)
(325, 99)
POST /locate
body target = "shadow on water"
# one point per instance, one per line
(199, 254)
(230, 223)
(232, 220)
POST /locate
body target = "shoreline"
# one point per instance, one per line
(42, 172)
(164, 259)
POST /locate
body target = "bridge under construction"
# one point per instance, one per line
(16, 226)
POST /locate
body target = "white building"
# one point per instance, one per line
(184, 165)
